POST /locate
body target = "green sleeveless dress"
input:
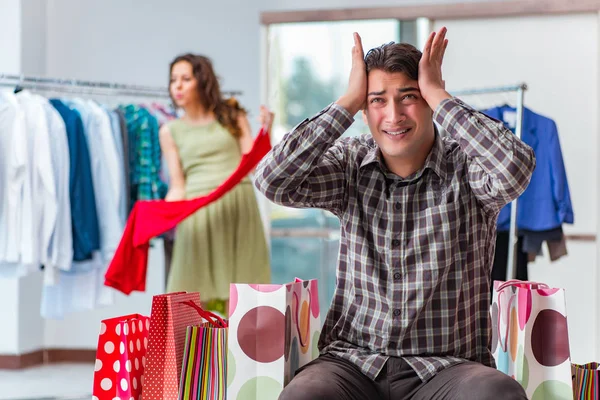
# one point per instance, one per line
(223, 242)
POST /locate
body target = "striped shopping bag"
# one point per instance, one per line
(586, 381)
(204, 369)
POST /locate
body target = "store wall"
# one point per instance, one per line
(10, 40)
(34, 18)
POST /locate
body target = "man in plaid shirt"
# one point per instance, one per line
(418, 205)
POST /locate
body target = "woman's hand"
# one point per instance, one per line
(175, 194)
(266, 118)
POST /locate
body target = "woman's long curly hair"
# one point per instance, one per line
(226, 111)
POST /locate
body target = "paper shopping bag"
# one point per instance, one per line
(204, 370)
(119, 370)
(273, 331)
(530, 340)
(586, 381)
(169, 319)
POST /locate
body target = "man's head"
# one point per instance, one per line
(399, 119)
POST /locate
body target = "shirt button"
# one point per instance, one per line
(395, 243)
(397, 275)
(398, 206)
(396, 312)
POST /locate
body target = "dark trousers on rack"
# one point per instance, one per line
(501, 258)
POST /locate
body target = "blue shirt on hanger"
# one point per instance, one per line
(86, 236)
(546, 203)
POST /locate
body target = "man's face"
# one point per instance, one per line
(399, 119)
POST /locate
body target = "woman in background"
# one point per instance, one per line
(223, 242)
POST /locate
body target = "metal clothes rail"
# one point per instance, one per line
(89, 87)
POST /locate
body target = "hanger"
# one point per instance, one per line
(18, 86)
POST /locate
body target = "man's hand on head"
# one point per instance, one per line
(356, 95)
(431, 84)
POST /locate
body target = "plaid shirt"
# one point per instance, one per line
(414, 267)
(144, 155)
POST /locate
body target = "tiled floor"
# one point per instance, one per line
(51, 382)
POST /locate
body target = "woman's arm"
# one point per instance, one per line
(245, 139)
(176, 177)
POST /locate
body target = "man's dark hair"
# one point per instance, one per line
(395, 57)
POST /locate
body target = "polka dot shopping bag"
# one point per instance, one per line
(273, 331)
(169, 319)
(530, 340)
(121, 358)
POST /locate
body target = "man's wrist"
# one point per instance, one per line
(351, 106)
(435, 97)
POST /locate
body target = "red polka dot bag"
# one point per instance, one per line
(121, 358)
(273, 331)
(169, 319)
(530, 340)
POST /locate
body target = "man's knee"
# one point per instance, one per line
(303, 387)
(329, 378)
(318, 380)
(496, 385)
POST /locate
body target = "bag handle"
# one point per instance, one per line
(303, 343)
(592, 366)
(218, 322)
(511, 300)
(517, 282)
(503, 336)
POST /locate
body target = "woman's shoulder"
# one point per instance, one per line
(182, 128)
(175, 122)
(171, 129)
(174, 125)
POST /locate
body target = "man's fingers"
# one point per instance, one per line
(428, 44)
(444, 49)
(437, 46)
(357, 50)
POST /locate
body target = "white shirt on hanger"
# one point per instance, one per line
(13, 170)
(114, 164)
(118, 138)
(40, 220)
(76, 291)
(59, 253)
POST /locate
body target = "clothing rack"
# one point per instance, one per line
(520, 93)
(89, 87)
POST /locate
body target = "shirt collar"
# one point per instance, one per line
(436, 159)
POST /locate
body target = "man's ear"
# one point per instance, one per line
(365, 117)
